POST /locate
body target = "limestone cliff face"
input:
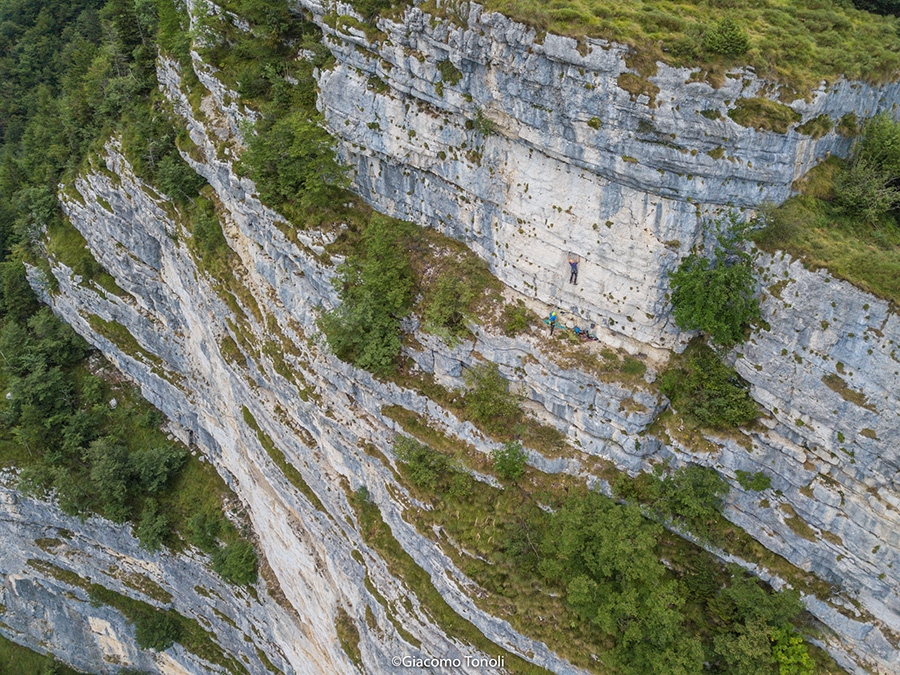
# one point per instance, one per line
(47, 604)
(548, 180)
(578, 160)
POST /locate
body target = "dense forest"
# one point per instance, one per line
(73, 74)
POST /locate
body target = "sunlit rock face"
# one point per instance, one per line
(528, 150)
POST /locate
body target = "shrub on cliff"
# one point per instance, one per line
(716, 295)
(509, 460)
(153, 527)
(454, 287)
(375, 285)
(706, 391)
(425, 468)
(236, 562)
(489, 400)
(760, 636)
(870, 188)
(727, 38)
(156, 629)
(693, 494)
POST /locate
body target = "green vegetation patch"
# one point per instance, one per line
(122, 338)
(753, 481)
(348, 636)
(836, 383)
(158, 629)
(638, 86)
(290, 155)
(763, 114)
(68, 246)
(491, 393)
(389, 264)
(717, 295)
(376, 287)
(846, 218)
(449, 73)
(488, 400)
(378, 535)
(587, 577)
(816, 127)
(706, 391)
(607, 365)
(517, 318)
(22, 661)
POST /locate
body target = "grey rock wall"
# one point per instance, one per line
(575, 163)
(543, 184)
(45, 610)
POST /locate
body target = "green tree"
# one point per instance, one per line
(746, 650)
(236, 562)
(293, 163)
(155, 467)
(880, 143)
(376, 293)
(509, 460)
(446, 312)
(754, 622)
(606, 555)
(489, 400)
(17, 300)
(203, 530)
(156, 629)
(153, 527)
(694, 493)
(753, 481)
(870, 187)
(717, 295)
(790, 652)
(727, 38)
(110, 476)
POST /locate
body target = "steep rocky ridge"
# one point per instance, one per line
(48, 607)
(320, 420)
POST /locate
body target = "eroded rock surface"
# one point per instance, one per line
(545, 181)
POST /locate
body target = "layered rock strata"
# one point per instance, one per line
(541, 180)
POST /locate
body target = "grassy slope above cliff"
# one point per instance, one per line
(814, 227)
(796, 42)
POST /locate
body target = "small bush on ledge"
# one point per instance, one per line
(756, 482)
(489, 400)
(509, 461)
(706, 391)
(727, 38)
